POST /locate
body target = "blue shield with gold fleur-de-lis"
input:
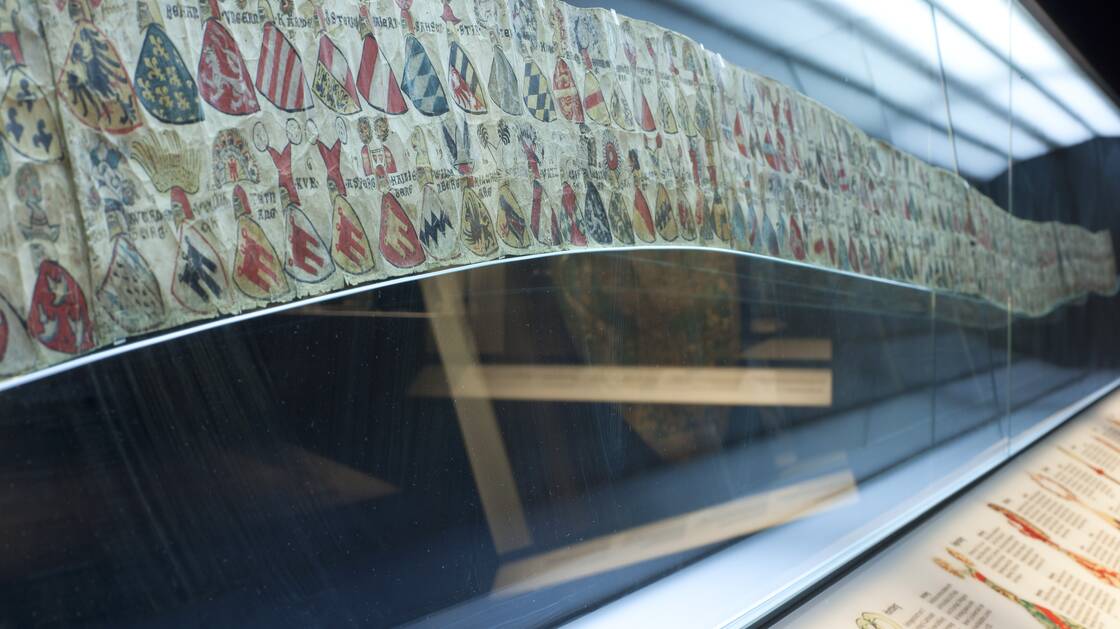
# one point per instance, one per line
(537, 94)
(28, 123)
(164, 85)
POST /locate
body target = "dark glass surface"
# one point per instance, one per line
(362, 461)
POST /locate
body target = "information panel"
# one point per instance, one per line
(1036, 544)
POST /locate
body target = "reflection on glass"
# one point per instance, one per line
(516, 443)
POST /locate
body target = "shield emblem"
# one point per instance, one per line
(223, 79)
(437, 232)
(594, 103)
(567, 96)
(665, 111)
(477, 229)
(30, 125)
(570, 203)
(280, 75)
(420, 81)
(703, 217)
(17, 352)
(865, 260)
(377, 82)
(598, 225)
(664, 218)
(199, 281)
(466, 86)
(796, 243)
(543, 218)
(130, 292)
(703, 117)
(739, 235)
(164, 84)
(333, 82)
(351, 250)
(684, 215)
(770, 236)
(686, 120)
(753, 233)
(740, 135)
(721, 221)
(398, 241)
(818, 249)
(621, 225)
(842, 254)
(59, 316)
(645, 113)
(309, 259)
(853, 254)
(256, 267)
(503, 84)
(643, 218)
(94, 83)
(620, 111)
(512, 226)
(537, 94)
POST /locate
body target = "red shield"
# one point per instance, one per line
(59, 316)
(398, 241)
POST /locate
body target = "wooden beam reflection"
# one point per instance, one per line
(676, 534)
(479, 425)
(737, 386)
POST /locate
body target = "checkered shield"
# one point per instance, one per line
(537, 94)
(420, 81)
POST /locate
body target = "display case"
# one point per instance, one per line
(521, 313)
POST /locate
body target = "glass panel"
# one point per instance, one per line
(1053, 360)
(972, 232)
(560, 429)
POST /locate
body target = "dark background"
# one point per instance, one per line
(1075, 184)
(1091, 27)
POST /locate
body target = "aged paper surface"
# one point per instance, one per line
(175, 162)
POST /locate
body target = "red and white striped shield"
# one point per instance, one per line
(377, 82)
(280, 75)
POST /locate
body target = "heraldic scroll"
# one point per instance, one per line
(166, 162)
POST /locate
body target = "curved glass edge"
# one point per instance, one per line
(968, 308)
